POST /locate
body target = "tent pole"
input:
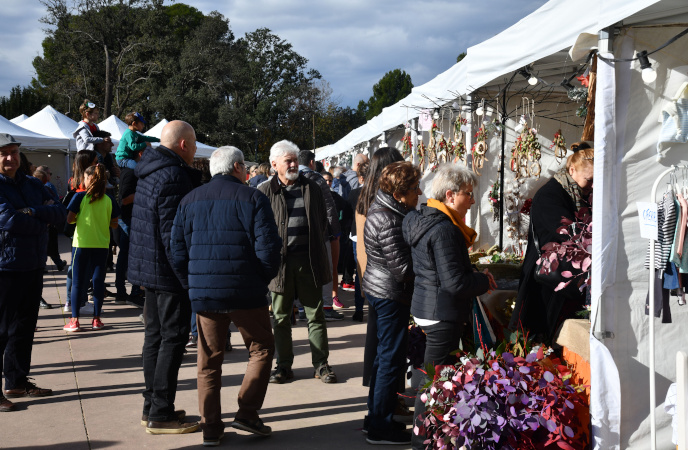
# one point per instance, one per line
(501, 172)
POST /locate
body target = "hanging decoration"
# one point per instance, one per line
(406, 144)
(431, 151)
(479, 150)
(559, 146)
(493, 197)
(421, 151)
(527, 151)
(516, 221)
(459, 145)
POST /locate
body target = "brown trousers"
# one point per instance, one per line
(254, 326)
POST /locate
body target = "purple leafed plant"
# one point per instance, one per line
(575, 250)
(504, 402)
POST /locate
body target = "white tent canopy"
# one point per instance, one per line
(19, 119)
(31, 140)
(53, 123)
(114, 126)
(550, 29)
(202, 150)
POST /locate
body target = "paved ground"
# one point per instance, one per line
(98, 380)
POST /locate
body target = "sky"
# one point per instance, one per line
(352, 43)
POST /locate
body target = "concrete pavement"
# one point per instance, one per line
(97, 378)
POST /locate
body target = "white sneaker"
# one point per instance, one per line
(67, 307)
(86, 310)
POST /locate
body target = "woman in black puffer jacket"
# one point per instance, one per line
(388, 286)
(445, 281)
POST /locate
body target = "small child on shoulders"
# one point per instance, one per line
(132, 140)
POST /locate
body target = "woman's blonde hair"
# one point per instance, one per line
(583, 154)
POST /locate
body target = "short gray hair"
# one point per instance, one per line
(450, 177)
(338, 171)
(222, 160)
(282, 148)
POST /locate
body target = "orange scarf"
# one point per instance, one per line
(469, 233)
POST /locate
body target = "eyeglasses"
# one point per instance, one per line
(470, 194)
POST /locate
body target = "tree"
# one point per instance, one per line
(461, 56)
(22, 100)
(98, 48)
(392, 87)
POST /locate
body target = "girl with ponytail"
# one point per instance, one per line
(94, 212)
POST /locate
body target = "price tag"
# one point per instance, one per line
(647, 214)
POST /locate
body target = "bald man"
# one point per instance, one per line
(165, 176)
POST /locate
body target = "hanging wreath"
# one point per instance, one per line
(406, 144)
(421, 152)
(559, 146)
(479, 150)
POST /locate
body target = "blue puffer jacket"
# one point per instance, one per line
(164, 179)
(226, 237)
(24, 238)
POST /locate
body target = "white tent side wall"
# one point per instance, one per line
(626, 134)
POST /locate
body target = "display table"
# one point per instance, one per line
(574, 337)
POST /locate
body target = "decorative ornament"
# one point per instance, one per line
(406, 144)
(479, 150)
(493, 197)
(559, 146)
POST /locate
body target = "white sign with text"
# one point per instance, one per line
(647, 214)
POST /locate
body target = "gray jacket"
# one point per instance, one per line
(84, 138)
(317, 228)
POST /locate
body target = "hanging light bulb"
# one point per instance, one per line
(436, 115)
(466, 111)
(50, 155)
(648, 73)
(532, 80)
(480, 111)
(525, 73)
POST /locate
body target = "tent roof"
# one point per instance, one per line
(19, 119)
(541, 38)
(31, 140)
(114, 126)
(53, 123)
(202, 150)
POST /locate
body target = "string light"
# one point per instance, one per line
(647, 72)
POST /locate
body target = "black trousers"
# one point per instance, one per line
(20, 294)
(441, 339)
(53, 250)
(168, 321)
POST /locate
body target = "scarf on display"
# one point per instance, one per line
(571, 187)
(469, 234)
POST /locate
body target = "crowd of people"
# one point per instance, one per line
(226, 244)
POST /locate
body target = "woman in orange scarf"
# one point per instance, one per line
(445, 282)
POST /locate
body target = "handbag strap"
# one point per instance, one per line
(535, 238)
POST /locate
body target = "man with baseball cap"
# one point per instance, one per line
(26, 210)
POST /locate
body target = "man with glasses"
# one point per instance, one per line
(26, 209)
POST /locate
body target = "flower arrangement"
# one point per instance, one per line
(576, 250)
(498, 399)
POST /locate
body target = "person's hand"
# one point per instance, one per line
(491, 280)
(49, 202)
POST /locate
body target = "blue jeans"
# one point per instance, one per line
(89, 263)
(392, 335)
(84, 297)
(358, 298)
(130, 163)
(123, 262)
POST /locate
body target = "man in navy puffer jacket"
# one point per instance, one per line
(165, 177)
(225, 237)
(26, 209)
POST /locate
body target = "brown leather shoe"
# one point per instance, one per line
(180, 414)
(171, 427)
(30, 389)
(6, 405)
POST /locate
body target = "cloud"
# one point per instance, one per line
(353, 43)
